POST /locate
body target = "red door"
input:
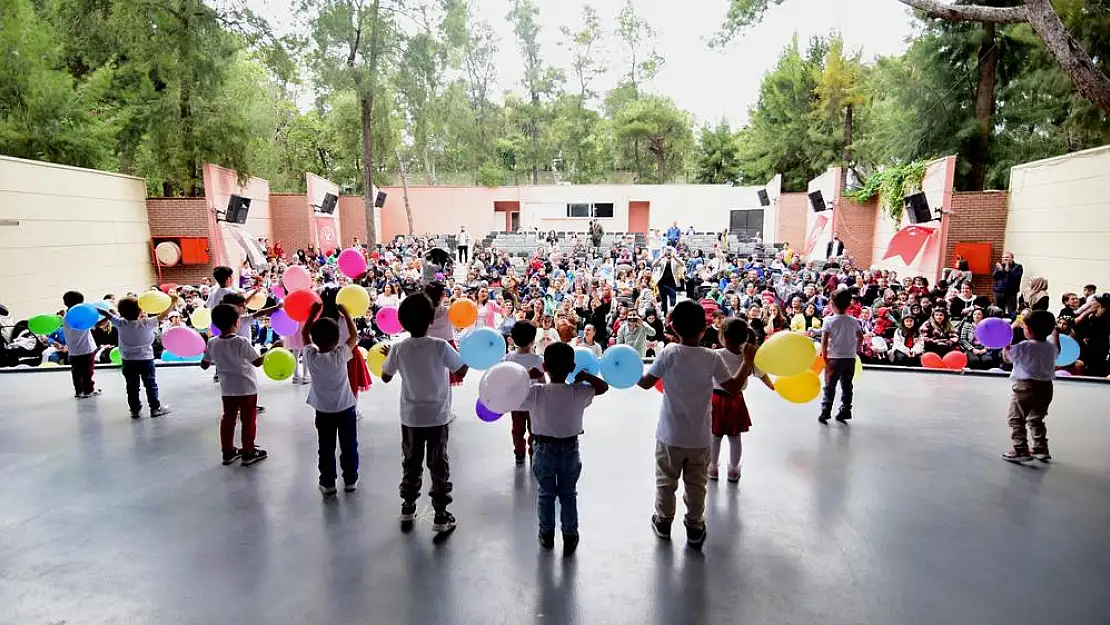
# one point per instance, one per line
(639, 216)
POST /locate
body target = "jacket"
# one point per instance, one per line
(636, 337)
(1008, 280)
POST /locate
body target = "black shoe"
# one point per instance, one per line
(570, 543)
(408, 515)
(350, 487)
(260, 409)
(253, 456)
(695, 536)
(231, 456)
(661, 527)
(519, 459)
(823, 419)
(327, 490)
(1043, 455)
(443, 522)
(547, 541)
(136, 415)
(844, 416)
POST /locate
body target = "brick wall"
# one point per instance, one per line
(978, 216)
(791, 226)
(352, 219)
(180, 217)
(291, 219)
(855, 223)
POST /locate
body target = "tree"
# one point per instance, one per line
(718, 156)
(839, 92)
(639, 41)
(584, 45)
(538, 81)
(656, 123)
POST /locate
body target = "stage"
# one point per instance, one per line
(907, 516)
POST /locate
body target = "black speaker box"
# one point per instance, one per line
(817, 201)
(380, 200)
(327, 206)
(917, 209)
(237, 209)
(764, 199)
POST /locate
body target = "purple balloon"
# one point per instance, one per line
(485, 414)
(213, 330)
(1063, 374)
(994, 333)
(283, 324)
(439, 275)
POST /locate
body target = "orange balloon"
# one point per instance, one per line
(463, 313)
(818, 364)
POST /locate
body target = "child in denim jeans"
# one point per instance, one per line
(841, 336)
(556, 412)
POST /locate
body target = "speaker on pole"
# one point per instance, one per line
(327, 206)
(764, 199)
(379, 201)
(817, 201)
(237, 209)
(917, 209)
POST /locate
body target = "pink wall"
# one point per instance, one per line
(441, 210)
(219, 184)
(937, 185)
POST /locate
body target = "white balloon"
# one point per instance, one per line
(504, 387)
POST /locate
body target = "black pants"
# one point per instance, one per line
(134, 373)
(81, 369)
(463, 250)
(329, 425)
(416, 444)
(840, 371)
(1006, 301)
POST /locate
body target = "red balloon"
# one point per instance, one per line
(659, 385)
(929, 360)
(298, 305)
(955, 360)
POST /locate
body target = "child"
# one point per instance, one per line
(524, 335)
(358, 375)
(223, 276)
(841, 337)
(82, 351)
(246, 320)
(331, 395)
(730, 412)
(424, 364)
(235, 359)
(557, 409)
(136, 347)
(1034, 368)
(683, 435)
(441, 325)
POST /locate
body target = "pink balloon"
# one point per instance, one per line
(278, 291)
(296, 278)
(183, 342)
(388, 321)
(352, 263)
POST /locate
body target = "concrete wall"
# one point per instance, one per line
(65, 228)
(1058, 225)
(219, 184)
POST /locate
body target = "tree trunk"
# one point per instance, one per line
(366, 104)
(429, 169)
(405, 189)
(984, 108)
(848, 121)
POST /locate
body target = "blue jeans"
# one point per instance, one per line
(134, 372)
(556, 465)
(842, 371)
(329, 425)
(668, 295)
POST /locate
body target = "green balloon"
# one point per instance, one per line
(44, 324)
(279, 364)
(115, 356)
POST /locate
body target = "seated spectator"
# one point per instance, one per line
(963, 304)
(939, 335)
(1071, 303)
(1034, 296)
(978, 355)
(1093, 329)
(908, 346)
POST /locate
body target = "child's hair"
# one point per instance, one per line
(842, 300)
(416, 313)
(325, 333)
(72, 298)
(1040, 323)
(222, 274)
(128, 308)
(234, 299)
(523, 333)
(735, 331)
(224, 317)
(558, 360)
(688, 319)
(1090, 287)
(434, 291)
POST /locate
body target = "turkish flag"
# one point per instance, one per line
(907, 243)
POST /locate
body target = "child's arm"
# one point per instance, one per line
(313, 314)
(766, 379)
(166, 313)
(387, 365)
(825, 345)
(352, 331)
(596, 383)
(535, 374)
(647, 381)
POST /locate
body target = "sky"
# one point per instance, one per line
(712, 84)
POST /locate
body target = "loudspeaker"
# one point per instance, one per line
(817, 201)
(328, 205)
(380, 200)
(764, 199)
(237, 208)
(917, 209)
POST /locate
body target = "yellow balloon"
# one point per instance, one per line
(154, 302)
(375, 358)
(201, 318)
(258, 302)
(354, 298)
(785, 354)
(798, 323)
(859, 368)
(799, 389)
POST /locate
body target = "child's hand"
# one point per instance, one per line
(749, 350)
(314, 312)
(385, 350)
(535, 374)
(343, 310)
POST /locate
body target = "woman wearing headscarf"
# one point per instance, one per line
(1035, 296)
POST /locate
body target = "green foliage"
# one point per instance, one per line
(718, 159)
(891, 185)
(655, 123)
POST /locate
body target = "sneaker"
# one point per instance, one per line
(160, 411)
(823, 419)
(261, 409)
(734, 474)
(327, 490)
(1017, 457)
(519, 459)
(713, 474)
(231, 456)
(661, 527)
(570, 543)
(444, 522)
(844, 416)
(137, 415)
(547, 541)
(297, 379)
(350, 487)
(695, 536)
(1043, 456)
(95, 393)
(253, 456)
(408, 515)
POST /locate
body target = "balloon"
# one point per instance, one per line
(183, 342)
(659, 385)
(1069, 351)
(1063, 374)
(299, 304)
(154, 302)
(785, 354)
(167, 287)
(201, 317)
(622, 366)
(387, 320)
(955, 360)
(481, 348)
(102, 305)
(352, 263)
(485, 414)
(171, 357)
(799, 389)
(439, 275)
(258, 301)
(44, 324)
(278, 291)
(296, 278)
(504, 387)
(115, 356)
(354, 298)
(994, 333)
(279, 364)
(929, 360)
(82, 317)
(463, 313)
(283, 324)
(859, 368)
(996, 370)
(818, 364)
(584, 360)
(375, 358)
(213, 330)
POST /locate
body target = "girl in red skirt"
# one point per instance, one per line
(357, 373)
(730, 413)
(441, 325)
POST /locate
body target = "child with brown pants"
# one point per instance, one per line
(1034, 369)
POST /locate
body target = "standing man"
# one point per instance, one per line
(835, 248)
(1007, 283)
(669, 273)
(596, 232)
(673, 234)
(462, 242)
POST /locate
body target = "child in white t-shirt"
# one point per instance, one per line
(730, 411)
(235, 359)
(424, 364)
(81, 350)
(683, 435)
(331, 395)
(136, 347)
(524, 336)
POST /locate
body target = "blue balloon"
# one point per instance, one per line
(168, 356)
(584, 360)
(621, 366)
(82, 317)
(1069, 351)
(481, 348)
(104, 305)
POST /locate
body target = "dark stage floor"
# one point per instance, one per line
(909, 516)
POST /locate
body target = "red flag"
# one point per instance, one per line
(907, 243)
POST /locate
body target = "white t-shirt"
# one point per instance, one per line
(843, 332)
(686, 413)
(234, 358)
(78, 342)
(733, 361)
(441, 325)
(216, 296)
(331, 389)
(556, 409)
(423, 364)
(1033, 360)
(529, 361)
(136, 338)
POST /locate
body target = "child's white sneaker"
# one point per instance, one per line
(734, 474)
(713, 473)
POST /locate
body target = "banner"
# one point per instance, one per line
(327, 233)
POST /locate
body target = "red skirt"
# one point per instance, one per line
(455, 380)
(357, 373)
(730, 414)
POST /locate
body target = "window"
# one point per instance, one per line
(578, 210)
(601, 210)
